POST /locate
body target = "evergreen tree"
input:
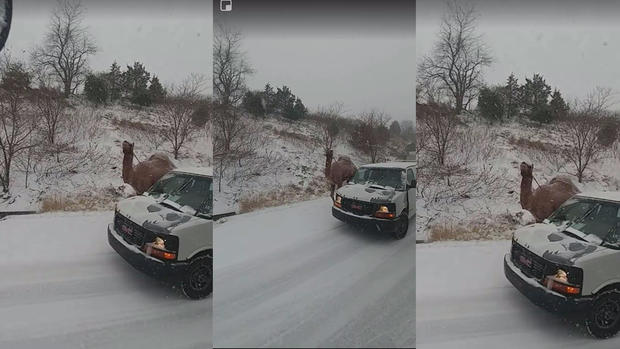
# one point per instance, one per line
(253, 102)
(535, 95)
(299, 110)
(136, 77)
(284, 100)
(558, 108)
(511, 97)
(135, 81)
(141, 97)
(491, 104)
(156, 90)
(16, 77)
(96, 88)
(395, 128)
(270, 96)
(115, 82)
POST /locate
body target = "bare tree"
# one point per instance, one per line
(438, 124)
(458, 57)
(16, 123)
(329, 128)
(229, 127)
(79, 147)
(177, 117)
(230, 67)
(177, 111)
(371, 134)
(50, 108)
(582, 128)
(66, 47)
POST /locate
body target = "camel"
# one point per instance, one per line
(548, 197)
(339, 172)
(143, 175)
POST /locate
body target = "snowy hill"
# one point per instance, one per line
(87, 175)
(481, 199)
(291, 166)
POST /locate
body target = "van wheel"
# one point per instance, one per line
(603, 320)
(198, 283)
(402, 227)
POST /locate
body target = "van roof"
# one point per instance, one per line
(392, 164)
(603, 195)
(202, 171)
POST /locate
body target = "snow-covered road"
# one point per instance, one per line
(62, 286)
(464, 301)
(294, 276)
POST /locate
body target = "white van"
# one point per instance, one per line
(380, 195)
(167, 232)
(569, 263)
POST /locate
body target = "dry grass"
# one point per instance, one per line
(289, 194)
(133, 125)
(103, 199)
(529, 144)
(293, 136)
(470, 231)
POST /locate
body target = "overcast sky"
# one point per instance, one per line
(575, 45)
(360, 53)
(171, 38)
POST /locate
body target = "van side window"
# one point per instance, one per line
(410, 176)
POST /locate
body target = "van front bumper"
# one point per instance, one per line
(541, 296)
(168, 271)
(383, 225)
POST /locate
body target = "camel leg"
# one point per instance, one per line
(333, 189)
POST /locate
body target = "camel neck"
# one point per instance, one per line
(328, 163)
(127, 167)
(526, 192)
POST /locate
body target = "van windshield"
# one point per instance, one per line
(387, 178)
(591, 217)
(183, 189)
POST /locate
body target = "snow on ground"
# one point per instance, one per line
(63, 286)
(294, 276)
(300, 162)
(463, 300)
(98, 134)
(488, 202)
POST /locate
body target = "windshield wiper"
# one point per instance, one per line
(566, 232)
(171, 204)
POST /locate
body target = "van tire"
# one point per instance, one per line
(603, 318)
(198, 283)
(402, 227)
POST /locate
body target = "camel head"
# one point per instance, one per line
(527, 170)
(127, 148)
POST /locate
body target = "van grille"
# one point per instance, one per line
(128, 230)
(357, 207)
(529, 263)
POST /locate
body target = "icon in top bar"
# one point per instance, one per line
(226, 5)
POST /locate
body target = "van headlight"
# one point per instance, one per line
(163, 247)
(565, 280)
(384, 211)
(338, 202)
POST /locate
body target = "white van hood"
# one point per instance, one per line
(365, 193)
(147, 212)
(548, 241)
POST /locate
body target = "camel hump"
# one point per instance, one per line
(159, 156)
(564, 180)
(344, 158)
(162, 160)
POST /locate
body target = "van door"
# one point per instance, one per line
(411, 192)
